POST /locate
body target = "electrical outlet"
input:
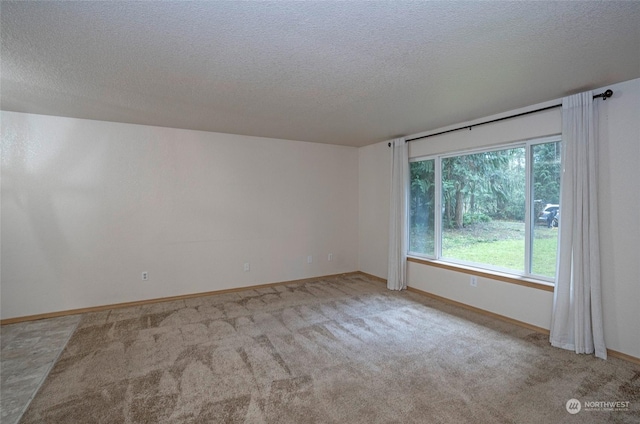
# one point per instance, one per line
(330, 257)
(246, 267)
(473, 281)
(309, 259)
(145, 276)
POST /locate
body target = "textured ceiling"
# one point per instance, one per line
(351, 73)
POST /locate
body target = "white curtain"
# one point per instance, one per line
(577, 310)
(397, 274)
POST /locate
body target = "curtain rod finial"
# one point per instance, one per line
(605, 95)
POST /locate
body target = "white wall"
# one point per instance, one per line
(88, 205)
(619, 218)
(375, 188)
(619, 209)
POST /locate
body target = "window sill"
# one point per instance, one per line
(507, 278)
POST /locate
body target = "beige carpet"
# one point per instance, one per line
(339, 350)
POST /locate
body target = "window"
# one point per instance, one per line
(422, 207)
(545, 162)
(496, 209)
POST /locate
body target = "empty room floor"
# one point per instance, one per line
(331, 350)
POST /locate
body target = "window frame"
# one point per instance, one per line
(529, 220)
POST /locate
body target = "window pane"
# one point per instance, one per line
(421, 207)
(546, 195)
(483, 199)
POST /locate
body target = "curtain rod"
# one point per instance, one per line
(605, 95)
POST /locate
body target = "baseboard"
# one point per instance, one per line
(480, 311)
(610, 352)
(465, 306)
(373, 277)
(165, 299)
(623, 356)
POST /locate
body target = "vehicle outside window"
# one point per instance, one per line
(548, 216)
